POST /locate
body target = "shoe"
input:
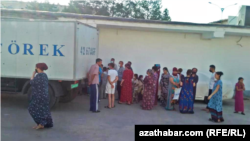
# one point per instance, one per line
(243, 113)
(96, 111)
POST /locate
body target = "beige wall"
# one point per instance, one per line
(176, 50)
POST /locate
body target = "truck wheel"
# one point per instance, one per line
(69, 95)
(52, 99)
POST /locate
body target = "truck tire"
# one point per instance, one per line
(69, 95)
(52, 99)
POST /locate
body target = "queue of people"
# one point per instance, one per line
(133, 88)
(176, 88)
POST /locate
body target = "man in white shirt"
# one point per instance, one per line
(110, 87)
(211, 82)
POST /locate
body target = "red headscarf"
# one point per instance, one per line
(42, 66)
(174, 69)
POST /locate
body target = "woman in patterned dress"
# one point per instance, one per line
(39, 105)
(164, 86)
(155, 73)
(149, 91)
(174, 82)
(215, 100)
(186, 101)
(126, 83)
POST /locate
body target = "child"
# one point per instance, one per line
(140, 89)
(135, 88)
(104, 83)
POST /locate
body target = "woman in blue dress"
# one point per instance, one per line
(39, 105)
(174, 82)
(186, 102)
(215, 100)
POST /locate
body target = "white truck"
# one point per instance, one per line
(68, 48)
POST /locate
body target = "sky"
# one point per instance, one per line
(196, 11)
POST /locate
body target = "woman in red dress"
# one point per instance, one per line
(126, 84)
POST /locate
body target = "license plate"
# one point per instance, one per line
(74, 86)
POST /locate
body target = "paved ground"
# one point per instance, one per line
(74, 122)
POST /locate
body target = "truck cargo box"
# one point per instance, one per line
(68, 48)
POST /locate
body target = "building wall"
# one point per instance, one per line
(180, 50)
(241, 16)
(232, 20)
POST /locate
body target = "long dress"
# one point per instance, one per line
(196, 79)
(155, 87)
(157, 83)
(186, 102)
(215, 103)
(239, 100)
(135, 88)
(164, 88)
(148, 93)
(126, 93)
(171, 88)
(39, 105)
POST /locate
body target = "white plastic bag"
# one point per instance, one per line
(177, 92)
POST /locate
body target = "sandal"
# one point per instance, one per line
(114, 106)
(210, 119)
(120, 102)
(107, 107)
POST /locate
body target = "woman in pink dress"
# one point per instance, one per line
(239, 103)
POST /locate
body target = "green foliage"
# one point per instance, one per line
(46, 6)
(137, 9)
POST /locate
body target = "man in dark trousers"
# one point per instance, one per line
(211, 82)
(196, 79)
(93, 79)
(120, 74)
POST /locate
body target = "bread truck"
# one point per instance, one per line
(68, 49)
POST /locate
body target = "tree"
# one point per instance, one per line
(165, 16)
(46, 6)
(136, 9)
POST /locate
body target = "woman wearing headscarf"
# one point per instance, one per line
(155, 69)
(39, 105)
(186, 102)
(164, 86)
(239, 101)
(149, 91)
(126, 83)
(215, 100)
(174, 82)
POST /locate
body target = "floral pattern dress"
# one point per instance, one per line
(186, 100)
(215, 103)
(164, 88)
(126, 92)
(39, 107)
(148, 93)
(155, 87)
